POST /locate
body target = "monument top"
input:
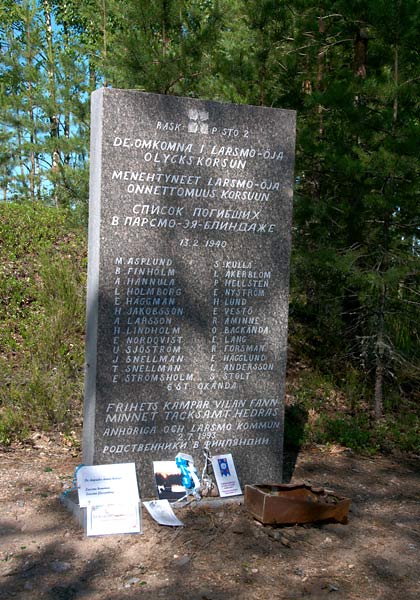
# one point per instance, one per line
(189, 245)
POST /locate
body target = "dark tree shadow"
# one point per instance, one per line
(295, 418)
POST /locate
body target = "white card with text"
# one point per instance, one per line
(99, 485)
(113, 518)
(225, 474)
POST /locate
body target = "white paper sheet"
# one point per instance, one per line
(107, 484)
(161, 511)
(113, 518)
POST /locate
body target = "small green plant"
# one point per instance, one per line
(349, 431)
(314, 389)
(12, 425)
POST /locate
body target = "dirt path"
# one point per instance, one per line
(221, 554)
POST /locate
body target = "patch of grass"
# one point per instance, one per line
(314, 390)
(43, 262)
(350, 431)
(399, 431)
(338, 412)
(359, 433)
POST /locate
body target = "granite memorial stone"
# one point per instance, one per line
(188, 278)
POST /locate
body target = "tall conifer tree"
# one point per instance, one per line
(161, 46)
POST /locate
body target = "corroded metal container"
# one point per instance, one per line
(281, 504)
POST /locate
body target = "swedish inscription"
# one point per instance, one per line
(190, 220)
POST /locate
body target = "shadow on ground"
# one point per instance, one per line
(222, 553)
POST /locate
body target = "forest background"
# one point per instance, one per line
(350, 69)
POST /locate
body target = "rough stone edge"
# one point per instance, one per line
(70, 501)
(93, 276)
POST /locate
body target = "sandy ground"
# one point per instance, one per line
(222, 553)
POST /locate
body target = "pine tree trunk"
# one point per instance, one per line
(379, 376)
(395, 111)
(379, 395)
(380, 366)
(54, 119)
(32, 171)
(360, 53)
(165, 41)
(104, 40)
(67, 111)
(378, 405)
(320, 75)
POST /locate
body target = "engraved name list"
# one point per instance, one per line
(189, 244)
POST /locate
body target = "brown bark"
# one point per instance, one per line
(379, 369)
(320, 74)
(395, 107)
(32, 171)
(360, 53)
(104, 38)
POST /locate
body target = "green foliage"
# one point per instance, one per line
(398, 432)
(351, 72)
(355, 275)
(13, 425)
(349, 431)
(336, 412)
(161, 46)
(42, 319)
(43, 106)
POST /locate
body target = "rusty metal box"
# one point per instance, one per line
(276, 504)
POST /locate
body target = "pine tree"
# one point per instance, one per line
(357, 212)
(44, 105)
(160, 46)
(20, 100)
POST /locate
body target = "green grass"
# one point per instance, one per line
(338, 412)
(42, 291)
(363, 435)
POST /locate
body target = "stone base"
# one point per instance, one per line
(71, 502)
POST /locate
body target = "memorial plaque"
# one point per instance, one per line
(189, 245)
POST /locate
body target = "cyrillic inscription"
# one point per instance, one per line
(193, 209)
